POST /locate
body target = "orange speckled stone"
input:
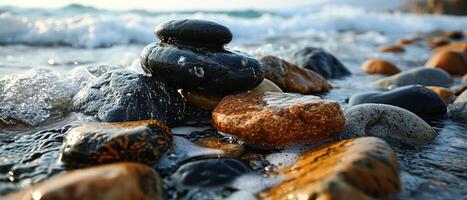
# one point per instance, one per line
(275, 119)
(359, 168)
(392, 48)
(378, 66)
(107, 182)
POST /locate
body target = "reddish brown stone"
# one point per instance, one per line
(113, 181)
(405, 41)
(378, 66)
(361, 168)
(276, 119)
(230, 149)
(292, 78)
(392, 48)
(452, 62)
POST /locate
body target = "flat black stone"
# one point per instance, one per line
(212, 172)
(123, 95)
(319, 61)
(212, 71)
(194, 32)
(415, 98)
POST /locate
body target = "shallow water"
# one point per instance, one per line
(435, 170)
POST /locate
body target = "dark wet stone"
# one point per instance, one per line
(123, 95)
(213, 172)
(214, 71)
(320, 61)
(140, 141)
(415, 98)
(194, 32)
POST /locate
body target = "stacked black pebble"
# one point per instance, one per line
(191, 56)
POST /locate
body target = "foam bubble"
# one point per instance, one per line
(250, 184)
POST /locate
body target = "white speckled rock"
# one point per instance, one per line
(458, 109)
(386, 121)
(418, 76)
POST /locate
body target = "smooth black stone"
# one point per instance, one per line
(320, 61)
(415, 98)
(119, 96)
(194, 32)
(212, 172)
(207, 70)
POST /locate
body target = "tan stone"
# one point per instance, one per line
(360, 168)
(405, 41)
(200, 99)
(266, 86)
(392, 48)
(292, 78)
(444, 93)
(378, 66)
(107, 182)
(452, 62)
(460, 47)
(230, 149)
(276, 119)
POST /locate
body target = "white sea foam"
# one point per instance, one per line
(105, 29)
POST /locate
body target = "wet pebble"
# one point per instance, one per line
(452, 62)
(378, 66)
(417, 76)
(386, 121)
(319, 61)
(458, 109)
(392, 48)
(140, 141)
(274, 119)
(460, 47)
(124, 95)
(415, 98)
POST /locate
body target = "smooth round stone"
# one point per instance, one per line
(194, 32)
(378, 66)
(406, 41)
(460, 47)
(266, 86)
(212, 172)
(458, 109)
(320, 61)
(386, 121)
(124, 95)
(415, 98)
(361, 168)
(113, 181)
(140, 141)
(392, 48)
(452, 62)
(212, 71)
(445, 93)
(418, 76)
(292, 78)
(274, 119)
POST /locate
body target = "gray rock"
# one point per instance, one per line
(386, 121)
(458, 109)
(319, 61)
(418, 76)
(123, 95)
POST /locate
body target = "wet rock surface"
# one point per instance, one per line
(274, 119)
(386, 121)
(292, 78)
(378, 66)
(362, 168)
(140, 141)
(415, 98)
(417, 76)
(123, 95)
(194, 32)
(320, 61)
(458, 109)
(393, 48)
(114, 181)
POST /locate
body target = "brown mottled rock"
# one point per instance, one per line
(276, 119)
(378, 66)
(230, 149)
(452, 62)
(405, 41)
(437, 42)
(392, 48)
(444, 93)
(292, 78)
(266, 86)
(200, 99)
(120, 181)
(360, 168)
(139, 141)
(460, 47)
